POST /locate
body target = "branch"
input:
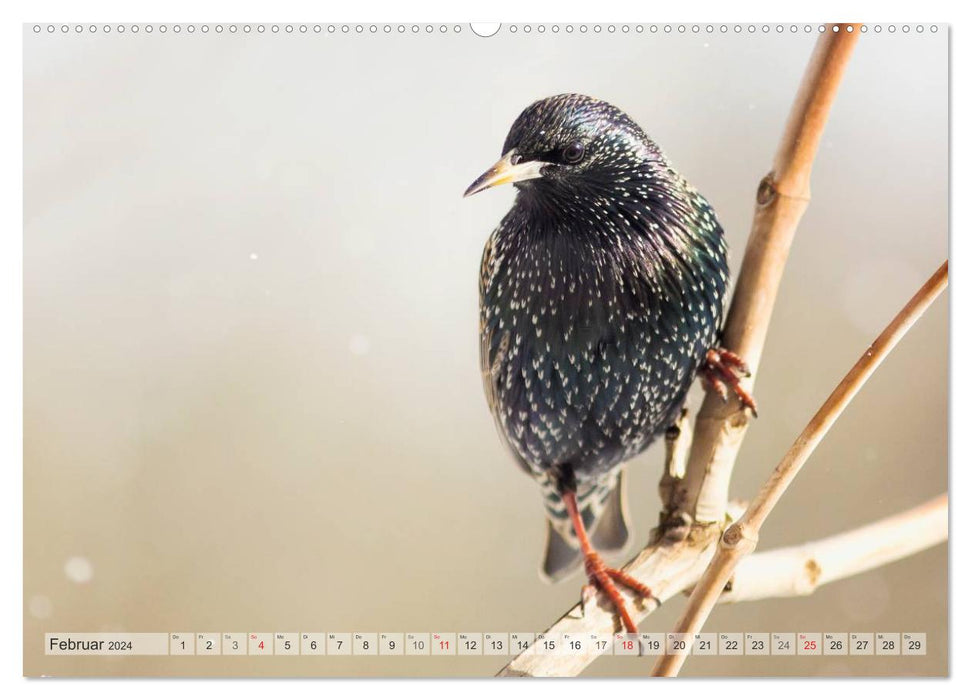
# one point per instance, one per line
(782, 197)
(778, 573)
(741, 537)
(799, 571)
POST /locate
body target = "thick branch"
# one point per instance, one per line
(741, 537)
(780, 202)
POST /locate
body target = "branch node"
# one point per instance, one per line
(738, 534)
(674, 527)
(813, 571)
(766, 192)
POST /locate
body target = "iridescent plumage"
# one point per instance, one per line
(601, 291)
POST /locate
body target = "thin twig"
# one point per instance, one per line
(782, 197)
(742, 536)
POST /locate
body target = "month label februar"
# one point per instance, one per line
(106, 644)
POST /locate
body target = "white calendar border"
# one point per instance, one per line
(572, 10)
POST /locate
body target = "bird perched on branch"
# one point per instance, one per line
(601, 298)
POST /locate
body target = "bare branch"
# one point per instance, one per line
(799, 571)
(778, 573)
(741, 537)
(782, 197)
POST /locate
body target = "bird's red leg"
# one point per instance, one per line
(722, 369)
(601, 575)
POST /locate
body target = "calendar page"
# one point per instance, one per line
(421, 349)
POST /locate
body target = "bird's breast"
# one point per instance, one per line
(587, 347)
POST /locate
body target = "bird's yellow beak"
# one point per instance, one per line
(504, 172)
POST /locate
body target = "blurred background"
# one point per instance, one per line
(252, 396)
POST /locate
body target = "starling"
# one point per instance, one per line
(601, 297)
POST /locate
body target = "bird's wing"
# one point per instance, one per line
(492, 351)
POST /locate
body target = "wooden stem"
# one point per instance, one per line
(742, 536)
(782, 197)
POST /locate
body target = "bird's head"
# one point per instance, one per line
(567, 144)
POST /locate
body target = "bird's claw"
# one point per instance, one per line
(604, 579)
(722, 369)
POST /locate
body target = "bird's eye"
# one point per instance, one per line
(573, 153)
(515, 159)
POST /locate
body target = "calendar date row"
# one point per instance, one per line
(485, 644)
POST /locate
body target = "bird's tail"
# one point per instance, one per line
(604, 513)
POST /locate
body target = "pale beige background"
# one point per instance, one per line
(252, 399)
